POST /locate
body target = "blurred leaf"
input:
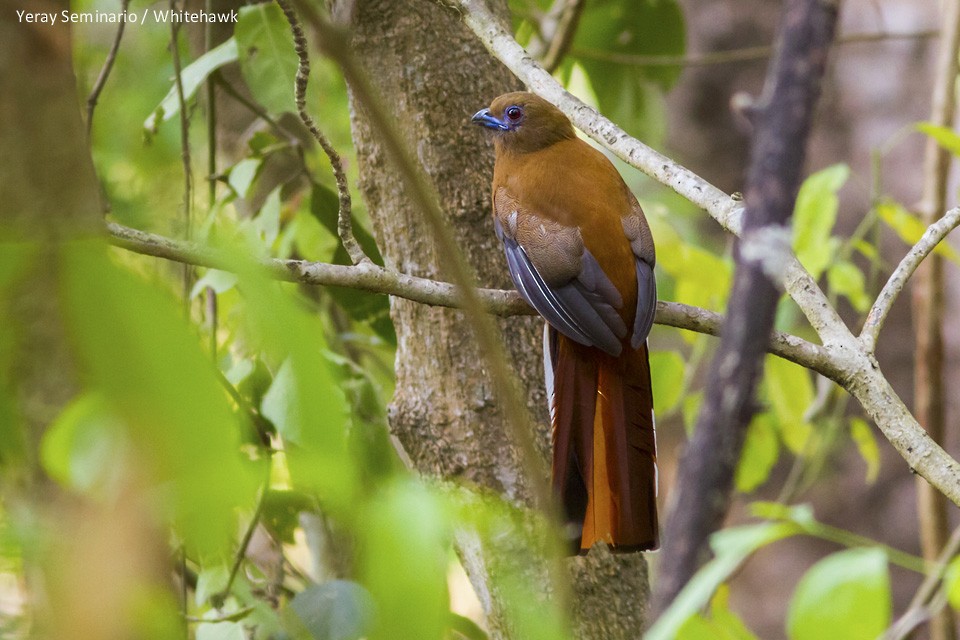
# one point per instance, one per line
(164, 389)
(867, 446)
(85, 447)
(789, 390)
(630, 94)
(191, 77)
(847, 592)
(846, 279)
(305, 400)
(268, 59)
(465, 627)
(335, 610)
(211, 581)
(281, 511)
(723, 624)
(951, 582)
(666, 369)
(405, 543)
(910, 229)
(730, 547)
(219, 281)
(242, 174)
(801, 514)
(814, 216)
(943, 136)
(220, 631)
(760, 452)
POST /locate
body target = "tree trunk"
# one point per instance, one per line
(435, 75)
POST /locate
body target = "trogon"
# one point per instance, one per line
(580, 252)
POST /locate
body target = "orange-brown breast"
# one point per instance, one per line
(572, 185)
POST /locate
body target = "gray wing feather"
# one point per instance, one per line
(646, 303)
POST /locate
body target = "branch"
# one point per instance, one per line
(106, 69)
(778, 150)
(344, 216)
(565, 16)
(721, 207)
(934, 234)
(499, 302)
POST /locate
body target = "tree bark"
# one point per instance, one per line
(435, 75)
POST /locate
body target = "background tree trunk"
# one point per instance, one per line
(435, 75)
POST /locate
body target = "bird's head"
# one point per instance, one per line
(524, 122)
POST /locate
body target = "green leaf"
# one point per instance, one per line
(943, 136)
(846, 279)
(242, 174)
(335, 610)
(164, 389)
(867, 446)
(760, 452)
(910, 229)
(847, 592)
(268, 60)
(219, 281)
(951, 581)
(630, 95)
(814, 216)
(210, 582)
(191, 77)
(405, 562)
(731, 547)
(789, 390)
(723, 624)
(85, 448)
(220, 631)
(666, 370)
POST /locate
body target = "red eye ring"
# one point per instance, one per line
(513, 113)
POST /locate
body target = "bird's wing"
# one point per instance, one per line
(641, 244)
(559, 277)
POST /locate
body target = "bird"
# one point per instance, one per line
(580, 252)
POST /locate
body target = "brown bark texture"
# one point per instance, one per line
(434, 74)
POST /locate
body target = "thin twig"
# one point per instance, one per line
(744, 54)
(218, 598)
(919, 610)
(565, 19)
(934, 234)
(184, 150)
(344, 219)
(106, 69)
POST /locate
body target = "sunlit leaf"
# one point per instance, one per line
(730, 547)
(944, 136)
(814, 215)
(951, 582)
(219, 281)
(211, 581)
(761, 449)
(220, 631)
(847, 279)
(847, 592)
(867, 446)
(666, 371)
(910, 229)
(268, 60)
(789, 390)
(191, 77)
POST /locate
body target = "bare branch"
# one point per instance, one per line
(499, 302)
(106, 69)
(934, 234)
(344, 216)
(565, 16)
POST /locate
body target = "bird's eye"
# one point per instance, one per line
(514, 113)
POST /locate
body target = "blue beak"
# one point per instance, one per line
(484, 119)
